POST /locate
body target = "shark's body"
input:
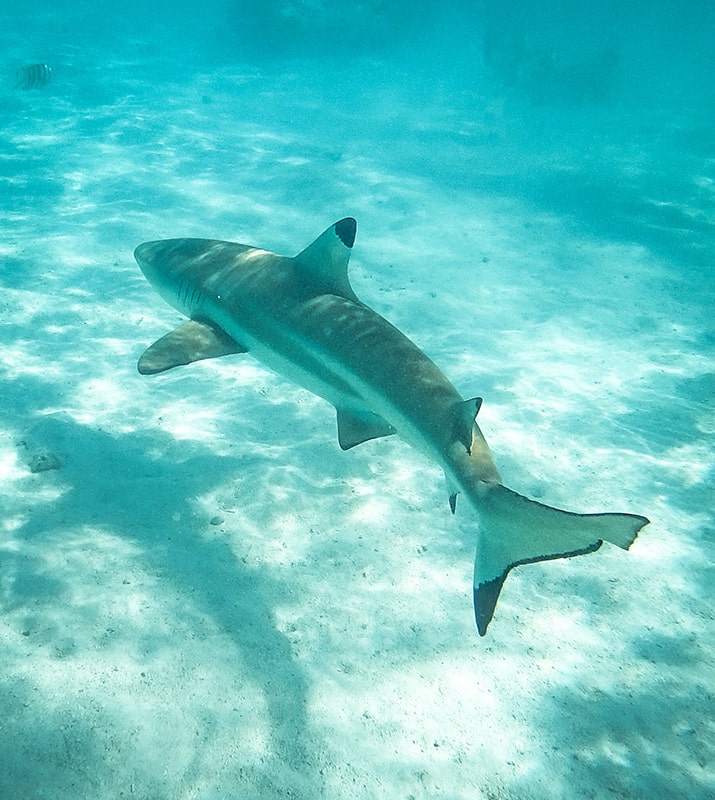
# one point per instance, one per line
(301, 317)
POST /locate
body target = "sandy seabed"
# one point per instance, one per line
(202, 596)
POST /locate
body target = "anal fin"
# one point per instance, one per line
(452, 492)
(192, 341)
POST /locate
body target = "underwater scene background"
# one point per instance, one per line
(201, 595)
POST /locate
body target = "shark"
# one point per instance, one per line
(300, 317)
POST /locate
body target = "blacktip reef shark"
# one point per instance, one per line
(301, 317)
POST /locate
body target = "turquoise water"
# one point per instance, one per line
(202, 595)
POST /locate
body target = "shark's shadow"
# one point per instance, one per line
(120, 484)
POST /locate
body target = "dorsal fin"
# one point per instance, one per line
(325, 262)
(465, 423)
(465, 414)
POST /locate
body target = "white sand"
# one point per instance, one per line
(208, 599)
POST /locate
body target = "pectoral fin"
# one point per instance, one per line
(192, 341)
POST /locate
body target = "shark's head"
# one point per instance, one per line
(153, 258)
(170, 267)
(146, 256)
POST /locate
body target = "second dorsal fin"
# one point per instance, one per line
(465, 413)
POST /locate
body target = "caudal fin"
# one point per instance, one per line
(514, 530)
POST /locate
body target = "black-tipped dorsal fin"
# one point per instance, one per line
(325, 262)
(192, 341)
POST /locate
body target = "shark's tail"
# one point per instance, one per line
(514, 530)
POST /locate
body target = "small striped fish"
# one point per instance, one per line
(33, 76)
